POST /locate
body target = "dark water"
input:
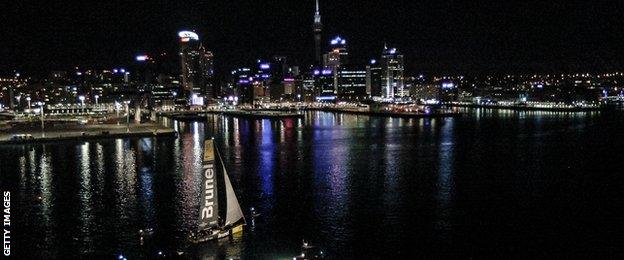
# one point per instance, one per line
(487, 184)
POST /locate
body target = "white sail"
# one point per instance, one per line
(234, 212)
(208, 206)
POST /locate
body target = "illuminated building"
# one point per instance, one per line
(279, 70)
(197, 69)
(338, 54)
(324, 85)
(244, 84)
(392, 73)
(373, 79)
(351, 82)
(206, 64)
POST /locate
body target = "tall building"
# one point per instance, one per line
(279, 70)
(373, 79)
(244, 85)
(197, 69)
(338, 54)
(351, 82)
(324, 85)
(206, 64)
(189, 62)
(392, 85)
(318, 29)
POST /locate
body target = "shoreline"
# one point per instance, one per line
(283, 114)
(386, 114)
(527, 108)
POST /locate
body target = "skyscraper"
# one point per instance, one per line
(197, 69)
(206, 64)
(373, 79)
(189, 61)
(318, 28)
(392, 73)
(351, 82)
(338, 54)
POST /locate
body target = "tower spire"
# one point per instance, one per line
(317, 15)
(318, 29)
(317, 7)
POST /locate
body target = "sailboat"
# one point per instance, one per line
(216, 220)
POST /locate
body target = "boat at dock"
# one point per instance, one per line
(217, 218)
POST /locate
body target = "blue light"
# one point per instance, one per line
(265, 66)
(338, 40)
(326, 98)
(317, 72)
(373, 61)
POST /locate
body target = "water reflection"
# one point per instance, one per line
(445, 184)
(358, 186)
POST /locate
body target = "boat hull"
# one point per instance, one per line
(215, 235)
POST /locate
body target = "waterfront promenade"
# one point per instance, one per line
(84, 132)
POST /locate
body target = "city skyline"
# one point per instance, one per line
(434, 37)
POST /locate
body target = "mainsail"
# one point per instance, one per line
(209, 206)
(234, 213)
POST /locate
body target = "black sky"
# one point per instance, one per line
(442, 36)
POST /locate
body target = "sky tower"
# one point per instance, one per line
(318, 28)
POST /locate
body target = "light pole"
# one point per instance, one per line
(127, 116)
(96, 99)
(42, 119)
(28, 99)
(117, 106)
(82, 99)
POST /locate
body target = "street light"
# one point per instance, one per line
(96, 99)
(42, 119)
(28, 99)
(127, 116)
(82, 99)
(117, 107)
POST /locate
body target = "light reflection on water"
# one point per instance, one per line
(356, 185)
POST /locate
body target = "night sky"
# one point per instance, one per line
(436, 37)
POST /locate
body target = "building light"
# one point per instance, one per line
(186, 36)
(141, 57)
